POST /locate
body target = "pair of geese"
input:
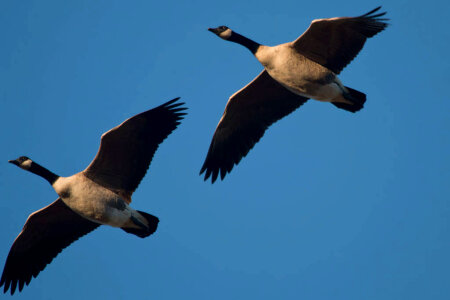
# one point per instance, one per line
(101, 194)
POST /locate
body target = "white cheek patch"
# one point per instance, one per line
(26, 164)
(225, 34)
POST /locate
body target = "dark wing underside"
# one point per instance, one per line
(335, 42)
(126, 151)
(45, 234)
(248, 114)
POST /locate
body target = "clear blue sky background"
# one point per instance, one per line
(329, 205)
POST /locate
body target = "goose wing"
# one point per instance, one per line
(45, 234)
(335, 42)
(126, 151)
(248, 114)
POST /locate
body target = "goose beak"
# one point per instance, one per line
(14, 162)
(213, 30)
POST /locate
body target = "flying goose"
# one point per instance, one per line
(293, 72)
(99, 195)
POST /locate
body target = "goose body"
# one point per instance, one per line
(99, 195)
(294, 72)
(95, 202)
(300, 75)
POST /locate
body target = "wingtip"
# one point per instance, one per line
(208, 174)
(21, 285)
(223, 173)
(374, 10)
(214, 176)
(171, 102)
(13, 287)
(202, 170)
(175, 108)
(7, 284)
(370, 13)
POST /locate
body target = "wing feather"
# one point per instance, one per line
(45, 234)
(127, 150)
(248, 114)
(335, 42)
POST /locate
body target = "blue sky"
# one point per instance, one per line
(329, 204)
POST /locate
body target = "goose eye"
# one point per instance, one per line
(22, 159)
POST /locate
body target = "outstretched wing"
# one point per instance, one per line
(126, 151)
(45, 234)
(248, 114)
(335, 42)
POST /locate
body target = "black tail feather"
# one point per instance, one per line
(144, 232)
(356, 97)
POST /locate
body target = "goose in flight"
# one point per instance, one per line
(293, 73)
(99, 195)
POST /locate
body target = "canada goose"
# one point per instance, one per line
(99, 195)
(293, 72)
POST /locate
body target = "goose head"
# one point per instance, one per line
(222, 31)
(22, 162)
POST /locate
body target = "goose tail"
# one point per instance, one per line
(356, 97)
(143, 230)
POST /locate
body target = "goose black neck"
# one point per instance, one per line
(43, 172)
(246, 42)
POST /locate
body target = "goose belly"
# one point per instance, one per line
(97, 203)
(326, 93)
(305, 77)
(106, 210)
